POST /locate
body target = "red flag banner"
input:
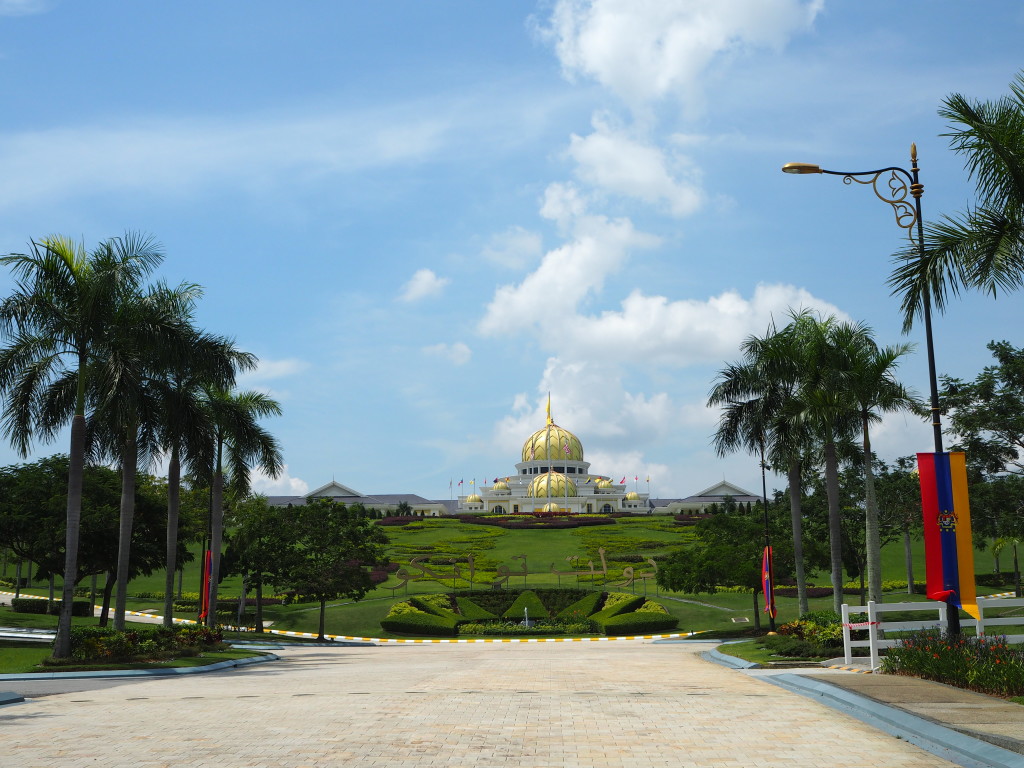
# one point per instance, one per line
(204, 593)
(768, 582)
(946, 513)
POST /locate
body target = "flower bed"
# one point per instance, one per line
(985, 664)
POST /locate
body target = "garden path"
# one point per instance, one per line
(530, 705)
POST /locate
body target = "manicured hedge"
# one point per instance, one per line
(582, 608)
(617, 603)
(639, 623)
(471, 611)
(419, 623)
(108, 644)
(527, 600)
(431, 606)
(28, 605)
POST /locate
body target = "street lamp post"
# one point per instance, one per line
(893, 186)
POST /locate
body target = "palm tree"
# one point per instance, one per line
(756, 395)
(187, 434)
(240, 442)
(982, 247)
(55, 322)
(129, 392)
(872, 384)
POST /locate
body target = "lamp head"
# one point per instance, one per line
(801, 168)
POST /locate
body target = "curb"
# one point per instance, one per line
(939, 740)
(168, 672)
(8, 697)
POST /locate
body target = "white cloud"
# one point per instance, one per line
(656, 331)
(457, 353)
(613, 161)
(515, 247)
(423, 283)
(23, 7)
(177, 156)
(283, 485)
(644, 50)
(598, 247)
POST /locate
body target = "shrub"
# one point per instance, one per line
(104, 644)
(652, 606)
(583, 607)
(985, 664)
(616, 603)
(639, 623)
(434, 604)
(793, 647)
(471, 611)
(527, 601)
(29, 605)
(419, 623)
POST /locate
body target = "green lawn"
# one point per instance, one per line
(543, 549)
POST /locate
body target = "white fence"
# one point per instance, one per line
(876, 628)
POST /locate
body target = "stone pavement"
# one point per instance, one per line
(571, 705)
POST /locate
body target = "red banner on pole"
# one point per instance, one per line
(204, 589)
(768, 582)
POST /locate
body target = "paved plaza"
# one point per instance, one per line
(577, 705)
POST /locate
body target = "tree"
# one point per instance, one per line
(727, 553)
(898, 492)
(872, 384)
(258, 544)
(186, 431)
(239, 442)
(983, 247)
(331, 548)
(54, 323)
(986, 415)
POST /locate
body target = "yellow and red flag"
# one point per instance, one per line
(948, 550)
(768, 582)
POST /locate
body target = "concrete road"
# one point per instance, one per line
(571, 705)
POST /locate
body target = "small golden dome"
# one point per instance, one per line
(604, 484)
(551, 484)
(501, 485)
(632, 496)
(551, 507)
(474, 498)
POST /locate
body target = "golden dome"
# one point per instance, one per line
(501, 485)
(603, 484)
(632, 496)
(550, 485)
(474, 498)
(550, 443)
(552, 507)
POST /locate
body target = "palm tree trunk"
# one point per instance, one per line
(216, 537)
(17, 579)
(797, 522)
(323, 612)
(173, 505)
(835, 529)
(872, 536)
(129, 458)
(108, 588)
(76, 471)
(757, 613)
(259, 603)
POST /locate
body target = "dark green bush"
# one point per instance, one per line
(430, 604)
(638, 623)
(582, 608)
(419, 624)
(105, 644)
(794, 647)
(29, 605)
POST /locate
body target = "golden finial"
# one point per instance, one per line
(550, 422)
(913, 153)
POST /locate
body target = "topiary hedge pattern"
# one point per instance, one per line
(527, 602)
(440, 615)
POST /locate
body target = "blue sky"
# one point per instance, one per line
(423, 216)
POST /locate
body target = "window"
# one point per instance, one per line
(559, 469)
(606, 509)
(515, 509)
(524, 471)
(572, 470)
(498, 509)
(590, 508)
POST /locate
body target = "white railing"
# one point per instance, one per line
(985, 624)
(877, 628)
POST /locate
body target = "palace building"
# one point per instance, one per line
(552, 476)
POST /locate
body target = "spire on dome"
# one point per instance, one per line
(550, 422)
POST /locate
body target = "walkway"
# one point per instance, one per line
(591, 705)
